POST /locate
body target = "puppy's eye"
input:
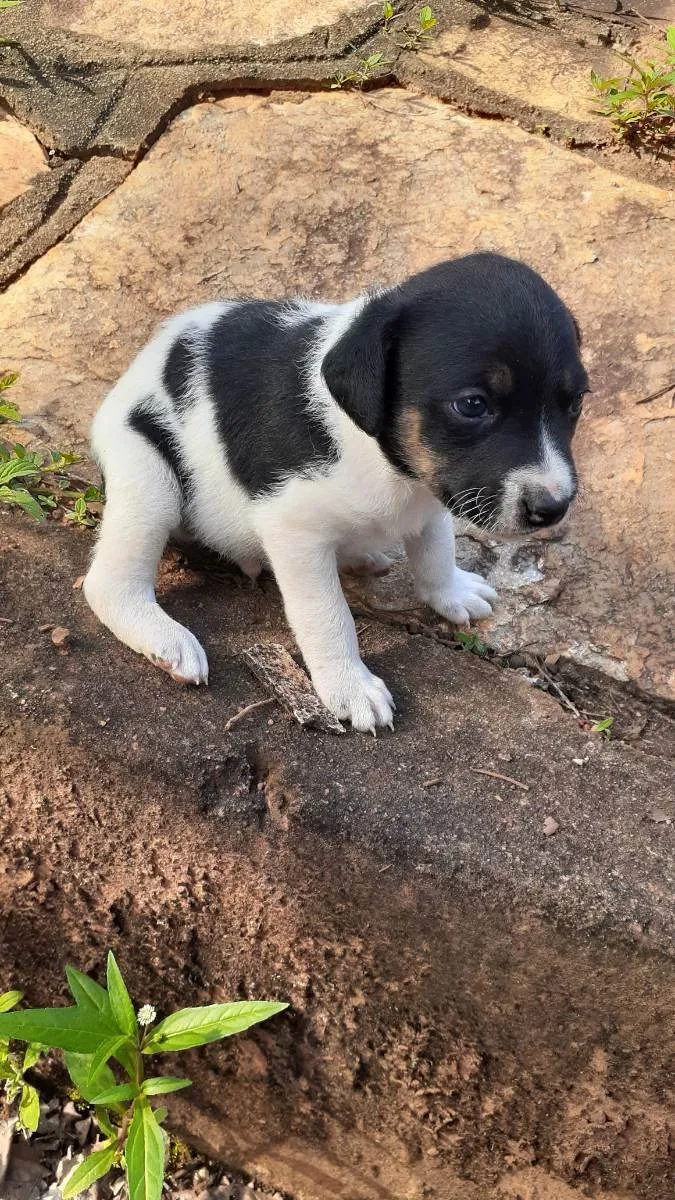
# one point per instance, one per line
(471, 406)
(577, 405)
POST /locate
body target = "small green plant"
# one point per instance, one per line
(471, 643)
(40, 482)
(604, 727)
(641, 105)
(413, 34)
(12, 1069)
(103, 1027)
(365, 70)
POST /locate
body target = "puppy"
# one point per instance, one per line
(306, 436)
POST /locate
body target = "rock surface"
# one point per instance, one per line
(21, 158)
(174, 25)
(325, 194)
(528, 62)
(345, 874)
(472, 918)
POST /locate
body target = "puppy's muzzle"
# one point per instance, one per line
(540, 507)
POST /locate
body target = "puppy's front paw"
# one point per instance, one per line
(467, 596)
(354, 694)
(179, 654)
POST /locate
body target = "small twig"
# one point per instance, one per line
(564, 700)
(238, 716)
(657, 395)
(433, 782)
(386, 868)
(524, 787)
(279, 674)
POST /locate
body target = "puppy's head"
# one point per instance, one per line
(470, 378)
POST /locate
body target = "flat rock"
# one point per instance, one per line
(535, 64)
(470, 998)
(325, 194)
(175, 25)
(21, 158)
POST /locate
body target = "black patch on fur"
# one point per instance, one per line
(142, 420)
(463, 327)
(256, 373)
(357, 367)
(176, 373)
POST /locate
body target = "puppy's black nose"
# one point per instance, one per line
(542, 508)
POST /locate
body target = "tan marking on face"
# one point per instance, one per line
(501, 379)
(424, 461)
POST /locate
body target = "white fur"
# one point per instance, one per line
(551, 472)
(348, 512)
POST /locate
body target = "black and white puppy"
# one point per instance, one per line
(309, 436)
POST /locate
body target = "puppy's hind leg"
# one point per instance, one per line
(143, 506)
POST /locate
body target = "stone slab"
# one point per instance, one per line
(325, 194)
(479, 1011)
(539, 65)
(21, 158)
(176, 26)
(51, 207)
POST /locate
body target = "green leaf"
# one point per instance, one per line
(116, 1095)
(197, 1026)
(18, 468)
(161, 1114)
(29, 1108)
(9, 412)
(95, 1166)
(79, 1069)
(388, 11)
(603, 726)
(59, 461)
(79, 1029)
(105, 1051)
(120, 1001)
(86, 991)
(7, 1068)
(10, 1000)
(427, 19)
(31, 1056)
(144, 1154)
(10, 377)
(105, 1124)
(159, 1084)
(23, 500)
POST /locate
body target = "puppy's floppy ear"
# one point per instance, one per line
(355, 369)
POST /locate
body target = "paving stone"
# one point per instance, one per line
(175, 25)
(534, 64)
(21, 158)
(325, 194)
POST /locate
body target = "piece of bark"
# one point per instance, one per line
(279, 674)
